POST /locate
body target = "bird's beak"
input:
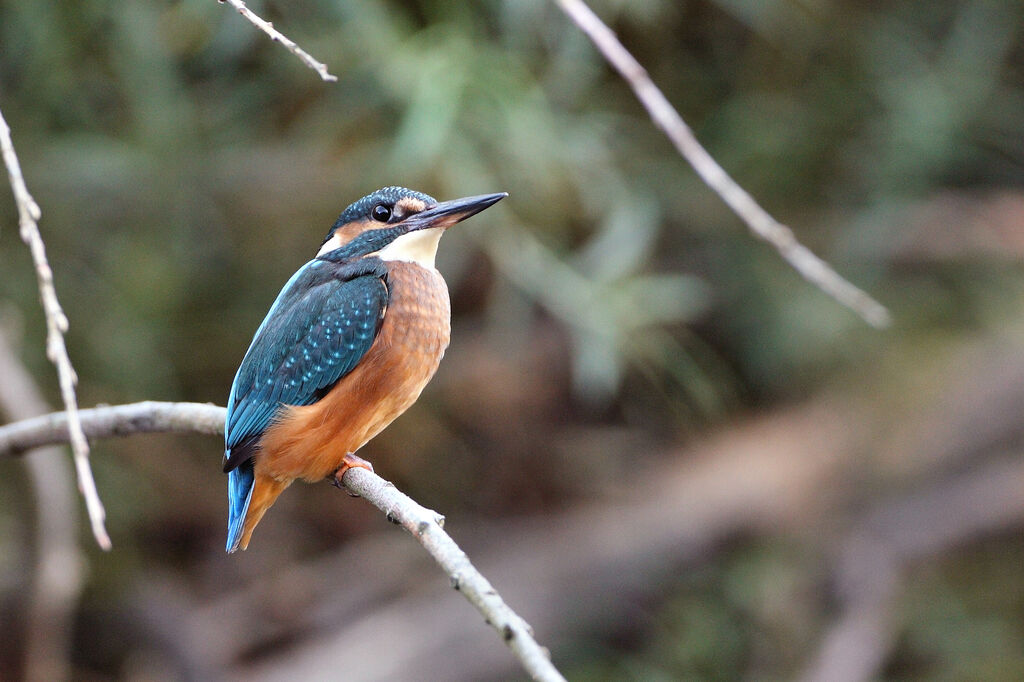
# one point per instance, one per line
(447, 213)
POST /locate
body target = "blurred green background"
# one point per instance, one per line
(678, 459)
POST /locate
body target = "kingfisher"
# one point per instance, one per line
(347, 346)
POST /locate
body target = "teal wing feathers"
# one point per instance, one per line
(319, 328)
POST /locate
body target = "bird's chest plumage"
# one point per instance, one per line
(309, 442)
(417, 324)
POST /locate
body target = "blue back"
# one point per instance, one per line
(323, 322)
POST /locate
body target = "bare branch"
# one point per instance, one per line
(279, 37)
(56, 325)
(423, 524)
(763, 225)
(426, 526)
(116, 420)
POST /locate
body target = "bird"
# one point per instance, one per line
(347, 346)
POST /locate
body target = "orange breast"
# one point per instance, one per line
(309, 442)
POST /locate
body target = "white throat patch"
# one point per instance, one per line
(330, 245)
(418, 247)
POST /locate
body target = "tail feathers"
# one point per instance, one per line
(250, 496)
(240, 486)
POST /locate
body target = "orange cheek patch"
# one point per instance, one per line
(406, 206)
(343, 235)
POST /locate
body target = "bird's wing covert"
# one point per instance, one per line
(317, 331)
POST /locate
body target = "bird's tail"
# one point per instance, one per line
(250, 495)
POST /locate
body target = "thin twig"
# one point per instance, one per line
(425, 525)
(56, 325)
(279, 37)
(813, 269)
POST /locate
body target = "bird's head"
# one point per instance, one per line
(395, 223)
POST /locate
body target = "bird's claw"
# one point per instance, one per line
(350, 461)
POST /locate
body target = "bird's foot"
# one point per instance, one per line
(350, 461)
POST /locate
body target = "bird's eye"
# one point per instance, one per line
(381, 213)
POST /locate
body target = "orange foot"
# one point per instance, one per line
(350, 461)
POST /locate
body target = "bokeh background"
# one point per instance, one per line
(672, 455)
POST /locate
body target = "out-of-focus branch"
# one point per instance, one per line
(279, 37)
(56, 325)
(423, 524)
(56, 577)
(813, 269)
(875, 558)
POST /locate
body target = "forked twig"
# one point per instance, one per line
(56, 325)
(761, 223)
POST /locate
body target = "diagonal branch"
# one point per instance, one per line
(279, 37)
(424, 524)
(56, 325)
(761, 223)
(427, 527)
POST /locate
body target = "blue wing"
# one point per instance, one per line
(317, 331)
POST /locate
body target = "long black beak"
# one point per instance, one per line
(447, 213)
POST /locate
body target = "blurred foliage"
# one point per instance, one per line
(186, 165)
(963, 617)
(738, 613)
